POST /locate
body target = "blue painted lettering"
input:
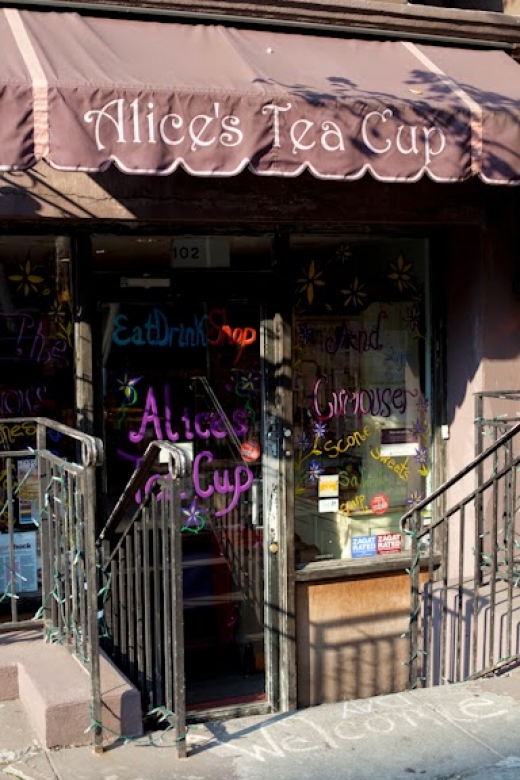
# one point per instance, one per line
(157, 331)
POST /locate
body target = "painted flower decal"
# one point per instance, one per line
(195, 521)
(421, 456)
(418, 428)
(56, 312)
(422, 405)
(315, 470)
(246, 381)
(127, 385)
(245, 388)
(413, 499)
(400, 275)
(28, 280)
(305, 335)
(412, 318)
(354, 294)
(64, 331)
(310, 281)
(319, 429)
(303, 441)
(343, 253)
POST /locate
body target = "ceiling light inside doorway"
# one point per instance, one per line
(144, 281)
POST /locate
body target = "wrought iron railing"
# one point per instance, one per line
(142, 567)
(465, 570)
(48, 551)
(495, 413)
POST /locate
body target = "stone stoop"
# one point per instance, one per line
(54, 690)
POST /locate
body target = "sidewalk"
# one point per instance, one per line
(469, 731)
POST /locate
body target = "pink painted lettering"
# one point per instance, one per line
(150, 414)
(205, 424)
(222, 484)
(377, 401)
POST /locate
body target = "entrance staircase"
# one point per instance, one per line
(184, 609)
(54, 689)
(107, 641)
(50, 658)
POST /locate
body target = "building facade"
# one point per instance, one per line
(302, 284)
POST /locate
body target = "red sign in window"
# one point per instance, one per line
(379, 504)
(388, 543)
(250, 451)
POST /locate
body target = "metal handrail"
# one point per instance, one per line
(459, 475)
(92, 451)
(506, 394)
(482, 487)
(179, 465)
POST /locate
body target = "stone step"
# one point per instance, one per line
(54, 689)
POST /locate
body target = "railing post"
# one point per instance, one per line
(509, 543)
(479, 414)
(479, 506)
(93, 604)
(45, 530)
(415, 574)
(10, 529)
(179, 684)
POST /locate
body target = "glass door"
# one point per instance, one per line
(189, 371)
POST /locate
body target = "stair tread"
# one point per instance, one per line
(56, 691)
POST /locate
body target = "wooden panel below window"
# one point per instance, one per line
(349, 638)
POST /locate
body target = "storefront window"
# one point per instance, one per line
(362, 431)
(37, 380)
(35, 329)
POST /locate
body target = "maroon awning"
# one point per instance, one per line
(83, 92)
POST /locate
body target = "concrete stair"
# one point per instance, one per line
(54, 690)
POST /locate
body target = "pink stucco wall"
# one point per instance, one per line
(482, 353)
(483, 329)
(464, 343)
